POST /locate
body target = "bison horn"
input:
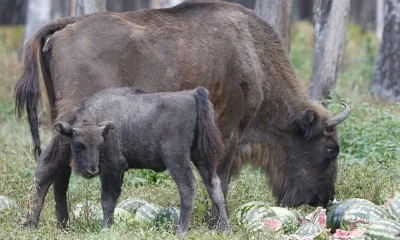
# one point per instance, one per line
(339, 118)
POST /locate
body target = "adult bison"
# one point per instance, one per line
(265, 117)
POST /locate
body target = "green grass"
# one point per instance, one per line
(369, 157)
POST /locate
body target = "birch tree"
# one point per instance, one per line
(38, 14)
(278, 14)
(80, 7)
(386, 83)
(330, 24)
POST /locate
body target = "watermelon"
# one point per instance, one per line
(383, 229)
(298, 216)
(360, 215)
(121, 215)
(254, 211)
(393, 207)
(253, 220)
(167, 216)
(336, 210)
(287, 218)
(131, 204)
(356, 234)
(312, 231)
(318, 217)
(7, 203)
(147, 212)
(244, 209)
(88, 209)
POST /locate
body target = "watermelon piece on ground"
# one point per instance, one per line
(383, 229)
(312, 231)
(288, 219)
(131, 204)
(318, 217)
(121, 215)
(356, 234)
(88, 209)
(7, 203)
(336, 210)
(167, 216)
(393, 207)
(147, 212)
(360, 216)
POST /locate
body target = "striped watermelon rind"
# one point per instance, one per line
(147, 212)
(383, 229)
(131, 204)
(312, 230)
(167, 216)
(88, 209)
(336, 210)
(7, 204)
(121, 215)
(360, 215)
(288, 219)
(245, 208)
(393, 207)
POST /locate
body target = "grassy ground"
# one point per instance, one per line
(369, 158)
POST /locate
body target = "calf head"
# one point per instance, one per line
(305, 172)
(86, 145)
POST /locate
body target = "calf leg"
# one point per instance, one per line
(223, 173)
(60, 186)
(179, 167)
(56, 153)
(111, 183)
(213, 185)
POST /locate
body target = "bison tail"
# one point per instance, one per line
(209, 140)
(27, 89)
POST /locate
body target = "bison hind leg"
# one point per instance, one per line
(178, 163)
(213, 184)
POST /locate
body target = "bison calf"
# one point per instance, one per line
(121, 128)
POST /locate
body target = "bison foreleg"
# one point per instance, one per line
(111, 183)
(60, 186)
(45, 173)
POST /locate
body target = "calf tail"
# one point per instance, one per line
(27, 89)
(209, 140)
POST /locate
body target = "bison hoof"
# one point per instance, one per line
(30, 224)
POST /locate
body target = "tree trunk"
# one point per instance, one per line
(379, 19)
(168, 3)
(363, 13)
(38, 15)
(80, 7)
(302, 9)
(278, 14)
(330, 24)
(59, 9)
(386, 83)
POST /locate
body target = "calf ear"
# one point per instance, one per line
(307, 123)
(106, 127)
(63, 128)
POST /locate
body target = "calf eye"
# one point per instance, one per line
(79, 146)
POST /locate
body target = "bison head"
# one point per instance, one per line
(303, 168)
(86, 143)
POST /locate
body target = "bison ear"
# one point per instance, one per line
(306, 123)
(106, 127)
(63, 128)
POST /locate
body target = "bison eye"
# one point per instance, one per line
(332, 153)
